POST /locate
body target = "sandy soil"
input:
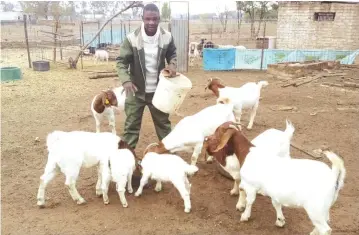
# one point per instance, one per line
(60, 99)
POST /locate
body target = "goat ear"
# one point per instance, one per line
(224, 139)
(209, 80)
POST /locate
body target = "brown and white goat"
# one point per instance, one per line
(245, 97)
(193, 53)
(107, 103)
(229, 147)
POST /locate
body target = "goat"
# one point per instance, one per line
(230, 147)
(69, 151)
(305, 183)
(167, 168)
(107, 103)
(193, 52)
(244, 97)
(122, 166)
(101, 55)
(188, 135)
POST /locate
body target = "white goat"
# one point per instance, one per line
(244, 97)
(122, 165)
(69, 151)
(167, 168)
(101, 55)
(108, 103)
(188, 135)
(193, 52)
(293, 183)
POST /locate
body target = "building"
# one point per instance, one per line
(318, 25)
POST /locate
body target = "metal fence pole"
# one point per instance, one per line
(121, 32)
(27, 41)
(82, 33)
(81, 41)
(211, 28)
(111, 34)
(264, 34)
(99, 35)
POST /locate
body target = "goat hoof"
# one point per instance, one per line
(187, 210)
(130, 190)
(244, 218)
(249, 127)
(106, 202)
(81, 201)
(98, 193)
(41, 202)
(125, 205)
(137, 194)
(234, 192)
(41, 205)
(280, 223)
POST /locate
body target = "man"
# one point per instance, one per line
(142, 57)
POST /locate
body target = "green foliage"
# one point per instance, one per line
(165, 11)
(7, 6)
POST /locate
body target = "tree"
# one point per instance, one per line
(223, 17)
(165, 11)
(262, 12)
(46, 8)
(129, 5)
(240, 6)
(7, 6)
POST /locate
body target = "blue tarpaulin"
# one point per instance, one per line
(231, 58)
(219, 59)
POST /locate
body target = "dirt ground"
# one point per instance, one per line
(60, 99)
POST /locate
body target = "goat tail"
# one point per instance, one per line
(289, 129)
(338, 171)
(262, 84)
(191, 169)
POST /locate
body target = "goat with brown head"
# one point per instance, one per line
(229, 146)
(214, 84)
(226, 141)
(104, 100)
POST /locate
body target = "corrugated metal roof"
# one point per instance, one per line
(179, 30)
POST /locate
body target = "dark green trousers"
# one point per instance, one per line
(134, 108)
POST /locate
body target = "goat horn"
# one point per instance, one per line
(238, 125)
(224, 139)
(233, 127)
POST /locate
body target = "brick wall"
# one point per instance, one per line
(296, 28)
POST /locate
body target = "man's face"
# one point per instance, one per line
(151, 19)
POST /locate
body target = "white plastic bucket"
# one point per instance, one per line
(171, 92)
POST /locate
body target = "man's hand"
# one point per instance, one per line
(129, 87)
(171, 68)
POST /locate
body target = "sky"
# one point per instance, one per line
(200, 6)
(195, 6)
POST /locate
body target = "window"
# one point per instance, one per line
(324, 16)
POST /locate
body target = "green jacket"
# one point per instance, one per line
(131, 62)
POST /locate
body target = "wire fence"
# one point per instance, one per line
(256, 36)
